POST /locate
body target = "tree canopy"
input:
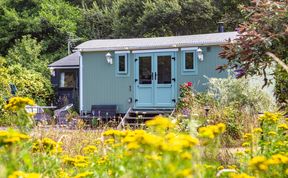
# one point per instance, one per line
(262, 44)
(34, 33)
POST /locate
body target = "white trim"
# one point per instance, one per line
(186, 49)
(81, 83)
(121, 52)
(63, 67)
(156, 50)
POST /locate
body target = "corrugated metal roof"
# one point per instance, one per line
(71, 60)
(157, 43)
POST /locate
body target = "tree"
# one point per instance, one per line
(262, 43)
(27, 53)
(49, 21)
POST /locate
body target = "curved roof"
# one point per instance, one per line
(70, 61)
(157, 43)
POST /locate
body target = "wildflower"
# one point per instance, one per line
(17, 103)
(109, 141)
(11, 137)
(270, 117)
(211, 131)
(241, 175)
(245, 144)
(189, 84)
(185, 172)
(84, 174)
(186, 155)
(113, 133)
(89, 149)
(20, 174)
(259, 163)
(220, 168)
(257, 130)
(133, 146)
(160, 122)
(247, 136)
(47, 145)
(153, 157)
(272, 133)
(102, 160)
(278, 159)
(78, 160)
(283, 126)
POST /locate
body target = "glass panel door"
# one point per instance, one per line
(164, 86)
(144, 81)
(145, 70)
(164, 70)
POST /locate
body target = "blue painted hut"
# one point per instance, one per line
(146, 72)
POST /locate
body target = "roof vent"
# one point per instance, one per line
(220, 27)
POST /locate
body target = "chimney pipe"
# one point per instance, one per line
(220, 27)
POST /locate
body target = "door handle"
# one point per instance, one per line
(155, 75)
(152, 76)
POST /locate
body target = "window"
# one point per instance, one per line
(121, 64)
(67, 80)
(189, 61)
(122, 67)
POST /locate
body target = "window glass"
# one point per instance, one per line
(189, 60)
(145, 70)
(121, 64)
(164, 69)
(67, 80)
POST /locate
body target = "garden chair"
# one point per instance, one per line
(60, 114)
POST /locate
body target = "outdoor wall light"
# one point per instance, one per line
(109, 58)
(200, 54)
(52, 71)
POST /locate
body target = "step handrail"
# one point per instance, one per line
(122, 122)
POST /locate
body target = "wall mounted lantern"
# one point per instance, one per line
(200, 54)
(52, 71)
(109, 58)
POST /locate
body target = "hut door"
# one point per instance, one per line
(155, 80)
(164, 80)
(144, 81)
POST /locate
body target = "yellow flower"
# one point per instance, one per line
(84, 174)
(247, 136)
(11, 137)
(272, 133)
(245, 144)
(283, 126)
(89, 149)
(186, 155)
(211, 131)
(160, 122)
(278, 159)
(133, 146)
(257, 130)
(270, 117)
(20, 174)
(259, 163)
(185, 172)
(220, 168)
(240, 175)
(47, 145)
(153, 157)
(78, 160)
(17, 103)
